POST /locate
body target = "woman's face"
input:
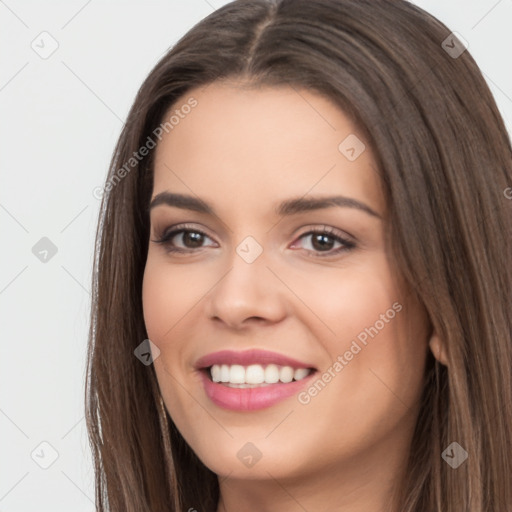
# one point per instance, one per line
(275, 283)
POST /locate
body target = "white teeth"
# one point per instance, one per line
(224, 373)
(240, 376)
(237, 374)
(215, 372)
(300, 373)
(254, 374)
(272, 374)
(286, 374)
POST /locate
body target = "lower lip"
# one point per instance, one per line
(250, 399)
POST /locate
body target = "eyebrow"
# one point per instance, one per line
(286, 208)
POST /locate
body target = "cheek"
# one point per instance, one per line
(157, 302)
(370, 389)
(347, 302)
(376, 342)
(169, 293)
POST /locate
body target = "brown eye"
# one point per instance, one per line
(191, 239)
(182, 240)
(324, 241)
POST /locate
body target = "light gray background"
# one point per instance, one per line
(60, 118)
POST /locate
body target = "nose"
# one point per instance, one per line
(247, 293)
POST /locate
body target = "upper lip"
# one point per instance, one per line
(248, 357)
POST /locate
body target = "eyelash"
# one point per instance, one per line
(166, 238)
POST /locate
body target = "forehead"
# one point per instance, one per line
(250, 146)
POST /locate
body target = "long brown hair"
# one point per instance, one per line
(444, 160)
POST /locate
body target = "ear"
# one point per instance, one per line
(438, 349)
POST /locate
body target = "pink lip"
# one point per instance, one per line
(250, 399)
(247, 357)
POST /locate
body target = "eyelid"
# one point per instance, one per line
(325, 228)
(347, 241)
(305, 230)
(163, 234)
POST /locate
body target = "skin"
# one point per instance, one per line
(244, 150)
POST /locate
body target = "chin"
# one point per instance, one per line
(259, 460)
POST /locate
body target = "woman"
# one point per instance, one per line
(302, 279)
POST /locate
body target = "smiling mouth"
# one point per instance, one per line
(254, 375)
